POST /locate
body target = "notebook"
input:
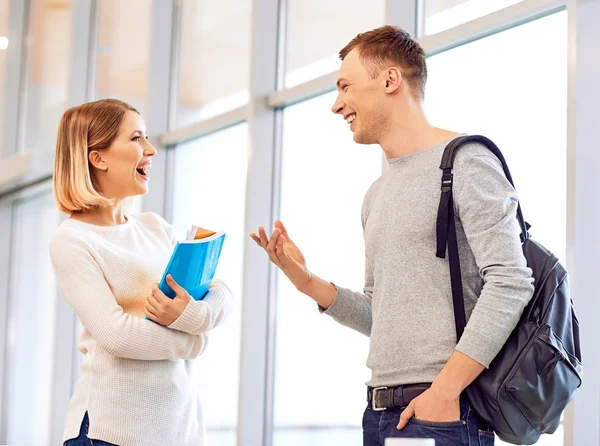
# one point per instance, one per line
(194, 262)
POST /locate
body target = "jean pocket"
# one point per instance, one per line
(438, 424)
(465, 412)
(486, 438)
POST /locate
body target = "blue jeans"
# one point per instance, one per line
(469, 431)
(82, 439)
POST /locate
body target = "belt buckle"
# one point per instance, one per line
(373, 405)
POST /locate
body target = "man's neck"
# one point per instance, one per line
(412, 133)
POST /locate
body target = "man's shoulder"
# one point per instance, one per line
(367, 201)
(372, 190)
(471, 151)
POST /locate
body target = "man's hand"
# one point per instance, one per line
(164, 310)
(441, 402)
(284, 253)
(431, 406)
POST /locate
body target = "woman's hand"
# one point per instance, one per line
(164, 310)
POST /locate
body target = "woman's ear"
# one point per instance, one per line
(97, 161)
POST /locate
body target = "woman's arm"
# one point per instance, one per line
(82, 283)
(206, 314)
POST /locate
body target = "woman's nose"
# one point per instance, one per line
(150, 149)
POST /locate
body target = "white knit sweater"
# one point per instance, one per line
(136, 378)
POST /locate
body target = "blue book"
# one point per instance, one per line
(194, 262)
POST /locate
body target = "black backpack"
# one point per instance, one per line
(530, 382)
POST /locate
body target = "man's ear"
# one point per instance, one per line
(97, 161)
(393, 79)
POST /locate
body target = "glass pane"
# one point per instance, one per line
(215, 58)
(124, 51)
(318, 30)
(314, 355)
(210, 191)
(48, 79)
(4, 11)
(32, 317)
(441, 15)
(494, 87)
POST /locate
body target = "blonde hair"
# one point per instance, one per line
(82, 129)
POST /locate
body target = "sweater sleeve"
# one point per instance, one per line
(208, 313)
(82, 283)
(486, 205)
(353, 309)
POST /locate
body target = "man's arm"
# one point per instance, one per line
(319, 290)
(345, 306)
(441, 403)
(486, 205)
(457, 374)
(353, 309)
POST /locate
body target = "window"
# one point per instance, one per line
(210, 191)
(441, 15)
(124, 51)
(48, 78)
(318, 30)
(4, 19)
(215, 58)
(324, 178)
(32, 317)
(494, 87)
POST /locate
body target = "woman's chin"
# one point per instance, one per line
(141, 188)
(142, 191)
(135, 192)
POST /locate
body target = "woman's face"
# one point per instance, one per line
(122, 170)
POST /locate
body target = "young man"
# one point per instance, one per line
(418, 370)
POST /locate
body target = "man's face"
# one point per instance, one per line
(360, 100)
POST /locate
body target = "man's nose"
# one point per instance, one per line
(338, 106)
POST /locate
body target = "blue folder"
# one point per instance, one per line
(193, 265)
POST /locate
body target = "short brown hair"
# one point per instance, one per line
(390, 44)
(87, 127)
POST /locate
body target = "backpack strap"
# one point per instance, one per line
(446, 222)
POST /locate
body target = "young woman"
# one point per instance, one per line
(136, 385)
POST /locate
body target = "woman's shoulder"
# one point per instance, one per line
(151, 219)
(156, 224)
(70, 234)
(70, 230)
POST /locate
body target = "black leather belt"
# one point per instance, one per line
(381, 398)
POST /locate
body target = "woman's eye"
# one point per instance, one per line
(136, 138)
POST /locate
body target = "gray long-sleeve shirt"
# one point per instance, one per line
(406, 307)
